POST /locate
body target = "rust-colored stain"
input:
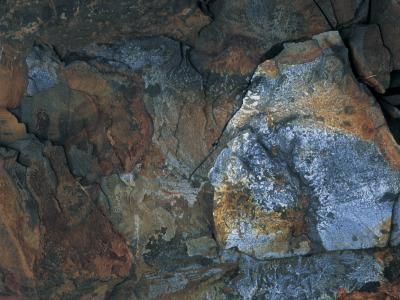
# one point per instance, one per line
(10, 129)
(127, 129)
(353, 111)
(308, 51)
(268, 68)
(234, 206)
(78, 239)
(386, 291)
(235, 60)
(12, 77)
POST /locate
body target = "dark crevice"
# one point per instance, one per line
(216, 143)
(324, 14)
(272, 52)
(204, 6)
(393, 123)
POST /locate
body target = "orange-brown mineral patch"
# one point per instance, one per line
(123, 130)
(78, 240)
(356, 113)
(235, 60)
(299, 53)
(10, 129)
(235, 206)
(12, 78)
(351, 110)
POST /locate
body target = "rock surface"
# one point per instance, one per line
(308, 169)
(370, 57)
(112, 115)
(386, 14)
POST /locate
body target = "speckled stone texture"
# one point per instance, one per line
(308, 169)
(113, 113)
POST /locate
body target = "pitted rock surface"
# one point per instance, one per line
(302, 174)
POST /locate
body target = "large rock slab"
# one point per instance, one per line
(312, 165)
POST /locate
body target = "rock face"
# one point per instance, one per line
(316, 277)
(199, 149)
(386, 15)
(370, 56)
(301, 175)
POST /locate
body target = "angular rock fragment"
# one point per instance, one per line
(10, 129)
(312, 165)
(369, 55)
(386, 13)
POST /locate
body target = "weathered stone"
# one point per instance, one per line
(19, 230)
(369, 55)
(166, 210)
(242, 32)
(315, 277)
(301, 173)
(10, 129)
(176, 97)
(350, 11)
(326, 8)
(76, 242)
(126, 108)
(72, 24)
(386, 13)
(103, 125)
(43, 67)
(12, 77)
(194, 283)
(204, 246)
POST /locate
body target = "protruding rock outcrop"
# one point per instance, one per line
(312, 166)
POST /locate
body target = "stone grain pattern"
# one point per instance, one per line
(112, 114)
(312, 165)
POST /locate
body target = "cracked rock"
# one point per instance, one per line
(370, 57)
(386, 14)
(311, 166)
